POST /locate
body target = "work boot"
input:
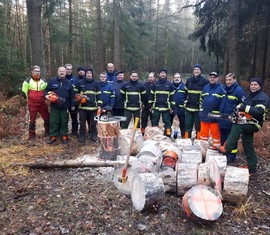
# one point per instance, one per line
(65, 139)
(51, 140)
(221, 149)
(94, 138)
(81, 139)
(32, 136)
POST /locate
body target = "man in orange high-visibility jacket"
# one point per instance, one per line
(33, 90)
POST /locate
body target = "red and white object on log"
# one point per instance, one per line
(201, 203)
(147, 191)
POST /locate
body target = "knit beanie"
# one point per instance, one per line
(163, 70)
(81, 68)
(258, 80)
(89, 69)
(198, 66)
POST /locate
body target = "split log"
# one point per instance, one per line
(168, 175)
(135, 168)
(235, 184)
(202, 204)
(187, 177)
(204, 174)
(108, 135)
(43, 164)
(215, 177)
(147, 191)
(220, 159)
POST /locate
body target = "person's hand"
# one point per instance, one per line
(238, 106)
(47, 97)
(72, 108)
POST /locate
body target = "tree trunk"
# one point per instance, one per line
(35, 32)
(100, 52)
(116, 26)
(70, 45)
(231, 63)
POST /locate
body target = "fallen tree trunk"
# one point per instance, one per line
(43, 164)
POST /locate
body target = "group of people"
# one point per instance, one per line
(191, 102)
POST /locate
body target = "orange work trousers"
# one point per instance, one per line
(208, 128)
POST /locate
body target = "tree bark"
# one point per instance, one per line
(35, 32)
(99, 40)
(116, 26)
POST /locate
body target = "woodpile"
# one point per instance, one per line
(199, 174)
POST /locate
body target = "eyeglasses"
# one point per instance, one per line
(36, 71)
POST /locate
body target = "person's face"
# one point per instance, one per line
(213, 79)
(110, 68)
(61, 72)
(88, 75)
(177, 78)
(36, 73)
(196, 72)
(254, 86)
(162, 74)
(134, 77)
(69, 70)
(81, 73)
(151, 78)
(230, 81)
(120, 76)
(102, 77)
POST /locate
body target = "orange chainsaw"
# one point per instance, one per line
(105, 114)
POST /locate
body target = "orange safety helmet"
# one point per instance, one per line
(169, 158)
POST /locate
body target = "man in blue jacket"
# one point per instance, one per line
(118, 108)
(234, 95)
(107, 92)
(179, 98)
(60, 93)
(194, 87)
(210, 101)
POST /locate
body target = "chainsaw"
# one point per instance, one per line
(106, 115)
(236, 117)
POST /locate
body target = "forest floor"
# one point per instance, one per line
(85, 201)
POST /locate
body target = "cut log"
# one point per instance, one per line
(168, 175)
(124, 142)
(220, 159)
(160, 138)
(43, 164)
(191, 154)
(187, 177)
(152, 142)
(147, 191)
(150, 132)
(235, 184)
(204, 174)
(108, 135)
(135, 167)
(151, 151)
(201, 203)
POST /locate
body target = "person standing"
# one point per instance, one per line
(146, 113)
(33, 90)
(210, 102)
(161, 101)
(134, 96)
(256, 104)
(111, 73)
(179, 98)
(107, 92)
(194, 87)
(60, 93)
(118, 108)
(234, 95)
(73, 113)
(90, 100)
